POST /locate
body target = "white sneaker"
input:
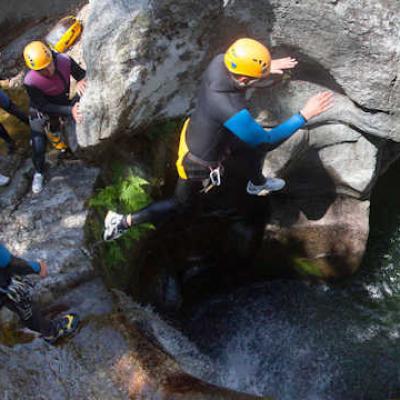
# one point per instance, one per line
(4, 180)
(37, 183)
(113, 227)
(270, 185)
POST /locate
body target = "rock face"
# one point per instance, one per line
(49, 226)
(145, 59)
(147, 68)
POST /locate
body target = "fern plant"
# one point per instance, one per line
(126, 194)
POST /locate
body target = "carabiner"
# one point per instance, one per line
(215, 176)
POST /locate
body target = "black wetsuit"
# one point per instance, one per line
(15, 291)
(46, 110)
(220, 125)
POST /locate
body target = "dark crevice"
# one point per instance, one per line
(369, 110)
(393, 81)
(309, 69)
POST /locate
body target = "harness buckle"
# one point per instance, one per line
(215, 176)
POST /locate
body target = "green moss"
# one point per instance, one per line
(306, 267)
(126, 193)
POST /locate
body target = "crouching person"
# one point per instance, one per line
(16, 294)
(48, 87)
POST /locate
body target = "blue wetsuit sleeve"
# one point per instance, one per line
(4, 101)
(5, 257)
(16, 265)
(247, 129)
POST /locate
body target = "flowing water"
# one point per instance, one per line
(294, 340)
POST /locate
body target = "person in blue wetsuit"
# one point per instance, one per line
(7, 105)
(221, 122)
(16, 294)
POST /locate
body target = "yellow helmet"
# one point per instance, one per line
(248, 57)
(37, 55)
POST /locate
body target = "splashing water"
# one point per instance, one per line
(293, 340)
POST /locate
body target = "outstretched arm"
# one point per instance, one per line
(247, 129)
(279, 65)
(19, 266)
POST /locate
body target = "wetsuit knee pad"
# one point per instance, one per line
(37, 123)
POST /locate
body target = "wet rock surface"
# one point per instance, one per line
(121, 350)
(49, 226)
(78, 368)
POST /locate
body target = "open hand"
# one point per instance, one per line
(317, 104)
(76, 114)
(43, 269)
(81, 86)
(278, 66)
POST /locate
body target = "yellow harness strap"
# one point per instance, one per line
(182, 151)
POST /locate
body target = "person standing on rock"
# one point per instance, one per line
(48, 87)
(16, 294)
(7, 105)
(220, 123)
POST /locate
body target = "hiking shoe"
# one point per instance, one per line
(4, 180)
(114, 226)
(270, 185)
(63, 327)
(37, 183)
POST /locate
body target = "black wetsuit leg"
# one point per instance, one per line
(256, 166)
(5, 136)
(31, 317)
(38, 123)
(251, 161)
(184, 200)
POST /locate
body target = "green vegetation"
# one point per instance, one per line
(126, 193)
(306, 267)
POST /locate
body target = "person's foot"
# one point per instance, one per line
(63, 327)
(114, 226)
(270, 185)
(37, 183)
(4, 180)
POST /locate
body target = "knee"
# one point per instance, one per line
(39, 143)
